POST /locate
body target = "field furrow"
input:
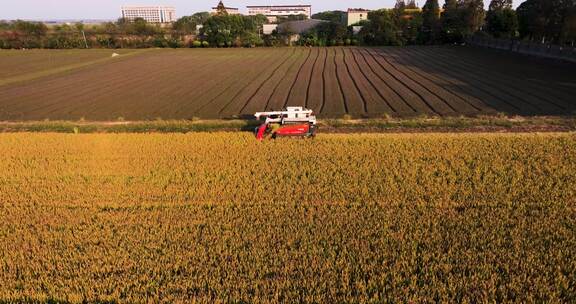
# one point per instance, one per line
(517, 98)
(457, 82)
(522, 68)
(431, 97)
(212, 108)
(212, 87)
(242, 102)
(180, 96)
(512, 85)
(197, 84)
(299, 93)
(25, 65)
(259, 100)
(89, 89)
(409, 94)
(439, 85)
(373, 101)
(495, 90)
(392, 98)
(334, 105)
(32, 94)
(147, 105)
(353, 97)
(280, 95)
(316, 86)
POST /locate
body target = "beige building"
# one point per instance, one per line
(275, 11)
(355, 15)
(268, 29)
(152, 14)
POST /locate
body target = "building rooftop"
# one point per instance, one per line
(357, 10)
(255, 6)
(148, 6)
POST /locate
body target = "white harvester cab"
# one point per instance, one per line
(292, 115)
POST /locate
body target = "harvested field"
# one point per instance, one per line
(27, 64)
(220, 217)
(227, 83)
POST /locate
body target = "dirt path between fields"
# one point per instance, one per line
(416, 125)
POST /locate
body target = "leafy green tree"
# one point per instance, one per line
(325, 34)
(332, 16)
(30, 28)
(408, 25)
(140, 27)
(411, 4)
(450, 22)
(226, 29)
(461, 18)
(185, 25)
(430, 21)
(79, 26)
(109, 28)
(568, 33)
(381, 29)
(188, 24)
(4, 25)
(500, 4)
(201, 17)
(472, 15)
(450, 5)
(546, 20)
(275, 39)
(250, 39)
(400, 5)
(501, 20)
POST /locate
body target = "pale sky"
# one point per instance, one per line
(110, 9)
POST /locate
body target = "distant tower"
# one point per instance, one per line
(221, 9)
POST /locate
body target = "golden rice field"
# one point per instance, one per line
(219, 217)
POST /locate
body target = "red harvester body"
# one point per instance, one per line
(294, 121)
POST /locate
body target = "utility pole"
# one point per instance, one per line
(85, 41)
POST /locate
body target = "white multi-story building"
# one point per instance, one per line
(275, 11)
(152, 14)
(355, 15)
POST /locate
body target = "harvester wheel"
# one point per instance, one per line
(313, 130)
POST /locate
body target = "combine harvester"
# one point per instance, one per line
(294, 121)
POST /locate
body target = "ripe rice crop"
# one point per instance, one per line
(219, 217)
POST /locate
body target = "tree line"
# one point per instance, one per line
(546, 21)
